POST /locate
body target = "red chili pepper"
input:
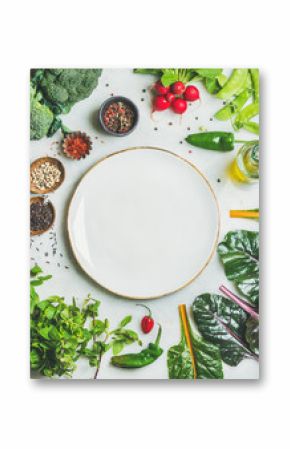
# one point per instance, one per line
(147, 322)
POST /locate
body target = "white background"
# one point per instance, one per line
(74, 414)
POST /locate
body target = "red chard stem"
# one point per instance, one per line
(240, 302)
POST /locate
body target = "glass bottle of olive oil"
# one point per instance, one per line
(245, 167)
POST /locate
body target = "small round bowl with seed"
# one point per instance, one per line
(46, 175)
(118, 116)
(76, 145)
(42, 215)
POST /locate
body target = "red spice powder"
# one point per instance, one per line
(77, 145)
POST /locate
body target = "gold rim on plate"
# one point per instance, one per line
(214, 244)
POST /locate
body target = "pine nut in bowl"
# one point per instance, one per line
(118, 116)
(46, 175)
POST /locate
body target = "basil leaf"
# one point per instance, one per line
(207, 359)
(35, 270)
(97, 327)
(126, 321)
(239, 253)
(222, 322)
(118, 346)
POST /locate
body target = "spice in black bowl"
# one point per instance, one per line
(42, 215)
(118, 116)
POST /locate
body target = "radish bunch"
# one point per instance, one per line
(174, 96)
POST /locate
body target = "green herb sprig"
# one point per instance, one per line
(62, 333)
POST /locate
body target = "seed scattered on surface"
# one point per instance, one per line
(180, 141)
(211, 119)
(144, 90)
(142, 99)
(218, 180)
(170, 123)
(155, 129)
(196, 118)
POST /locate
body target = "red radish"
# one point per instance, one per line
(178, 88)
(191, 93)
(170, 97)
(179, 105)
(160, 103)
(147, 322)
(160, 89)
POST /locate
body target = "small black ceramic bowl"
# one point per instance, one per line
(126, 101)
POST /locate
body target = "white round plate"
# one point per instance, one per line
(143, 222)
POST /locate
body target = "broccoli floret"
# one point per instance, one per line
(41, 117)
(54, 92)
(65, 87)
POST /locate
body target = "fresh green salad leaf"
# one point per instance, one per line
(207, 358)
(239, 254)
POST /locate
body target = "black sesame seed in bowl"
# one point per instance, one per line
(118, 116)
(42, 215)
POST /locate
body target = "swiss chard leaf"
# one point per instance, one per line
(239, 253)
(179, 361)
(252, 335)
(223, 323)
(207, 359)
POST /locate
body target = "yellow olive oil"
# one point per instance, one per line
(245, 166)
